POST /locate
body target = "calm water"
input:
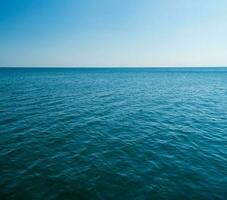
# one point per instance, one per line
(113, 134)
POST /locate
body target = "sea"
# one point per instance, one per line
(113, 133)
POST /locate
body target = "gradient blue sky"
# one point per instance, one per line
(113, 32)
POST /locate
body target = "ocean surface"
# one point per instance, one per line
(113, 133)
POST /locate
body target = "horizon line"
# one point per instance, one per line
(109, 66)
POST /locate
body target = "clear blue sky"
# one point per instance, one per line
(113, 32)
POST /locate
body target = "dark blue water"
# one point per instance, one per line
(113, 134)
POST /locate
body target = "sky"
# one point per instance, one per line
(113, 33)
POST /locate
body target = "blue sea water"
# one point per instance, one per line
(113, 133)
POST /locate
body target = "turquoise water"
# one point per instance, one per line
(113, 133)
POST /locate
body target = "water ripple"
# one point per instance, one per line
(99, 134)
